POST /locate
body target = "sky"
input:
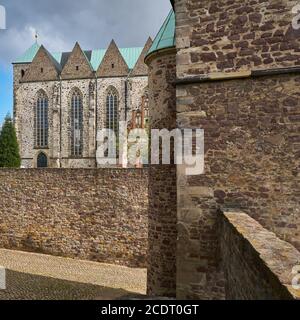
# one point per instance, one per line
(60, 23)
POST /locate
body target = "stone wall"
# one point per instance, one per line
(26, 99)
(234, 35)
(113, 63)
(43, 68)
(251, 163)
(96, 214)
(162, 180)
(59, 93)
(257, 265)
(251, 128)
(88, 96)
(77, 66)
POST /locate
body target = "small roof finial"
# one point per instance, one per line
(36, 36)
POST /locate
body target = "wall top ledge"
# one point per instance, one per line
(279, 256)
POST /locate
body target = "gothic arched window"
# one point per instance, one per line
(112, 110)
(41, 126)
(42, 160)
(76, 124)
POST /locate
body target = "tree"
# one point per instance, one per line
(9, 148)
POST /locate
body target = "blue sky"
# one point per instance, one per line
(60, 23)
(6, 91)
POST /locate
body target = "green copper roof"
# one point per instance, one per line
(95, 57)
(28, 56)
(166, 35)
(56, 56)
(131, 55)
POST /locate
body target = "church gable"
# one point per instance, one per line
(77, 65)
(43, 67)
(113, 63)
(140, 68)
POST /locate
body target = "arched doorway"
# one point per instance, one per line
(42, 160)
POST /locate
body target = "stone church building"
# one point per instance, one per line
(62, 99)
(231, 68)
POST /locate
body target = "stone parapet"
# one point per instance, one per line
(257, 264)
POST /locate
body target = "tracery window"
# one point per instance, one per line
(112, 110)
(41, 126)
(76, 124)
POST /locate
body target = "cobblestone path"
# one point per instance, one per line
(31, 276)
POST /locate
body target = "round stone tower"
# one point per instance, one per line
(161, 60)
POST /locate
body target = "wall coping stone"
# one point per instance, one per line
(278, 256)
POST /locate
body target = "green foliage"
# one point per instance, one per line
(9, 148)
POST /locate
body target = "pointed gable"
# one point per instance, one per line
(140, 68)
(77, 66)
(113, 63)
(43, 67)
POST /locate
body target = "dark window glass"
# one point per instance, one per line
(76, 125)
(41, 122)
(42, 161)
(112, 110)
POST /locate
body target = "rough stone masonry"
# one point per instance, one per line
(99, 215)
(237, 77)
(251, 125)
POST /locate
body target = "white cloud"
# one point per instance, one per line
(93, 23)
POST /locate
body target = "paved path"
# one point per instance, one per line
(36, 276)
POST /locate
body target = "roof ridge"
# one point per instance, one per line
(95, 59)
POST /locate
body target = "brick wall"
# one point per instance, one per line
(257, 265)
(99, 215)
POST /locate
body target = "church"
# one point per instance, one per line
(62, 99)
